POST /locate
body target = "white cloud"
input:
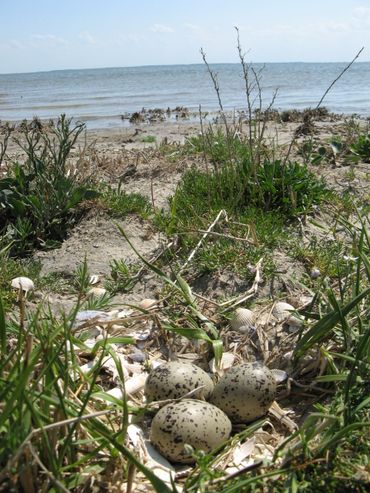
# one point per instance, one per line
(161, 28)
(361, 19)
(47, 39)
(192, 27)
(362, 12)
(333, 27)
(86, 36)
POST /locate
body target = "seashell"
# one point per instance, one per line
(135, 383)
(243, 320)
(148, 304)
(283, 312)
(96, 292)
(305, 301)
(159, 465)
(110, 365)
(243, 451)
(279, 375)
(86, 315)
(140, 335)
(154, 460)
(132, 385)
(227, 362)
(87, 366)
(94, 279)
(23, 283)
(315, 273)
(138, 356)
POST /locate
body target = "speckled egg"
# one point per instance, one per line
(173, 380)
(245, 392)
(192, 422)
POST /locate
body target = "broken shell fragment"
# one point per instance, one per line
(94, 279)
(227, 361)
(147, 304)
(284, 312)
(243, 320)
(23, 283)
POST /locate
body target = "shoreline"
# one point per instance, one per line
(182, 115)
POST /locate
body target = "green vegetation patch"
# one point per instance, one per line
(40, 198)
(120, 203)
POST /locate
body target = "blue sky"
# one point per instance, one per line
(57, 34)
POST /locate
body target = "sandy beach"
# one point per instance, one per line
(153, 169)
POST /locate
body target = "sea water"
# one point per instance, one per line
(101, 96)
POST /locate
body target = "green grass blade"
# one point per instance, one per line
(2, 329)
(323, 327)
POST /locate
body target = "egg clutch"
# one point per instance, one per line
(203, 419)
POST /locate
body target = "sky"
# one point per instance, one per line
(38, 35)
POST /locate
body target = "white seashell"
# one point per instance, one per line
(94, 279)
(279, 375)
(243, 320)
(294, 321)
(132, 385)
(305, 300)
(116, 392)
(110, 365)
(242, 451)
(148, 304)
(158, 464)
(282, 311)
(87, 366)
(227, 362)
(154, 460)
(315, 273)
(23, 283)
(136, 383)
(87, 315)
(96, 292)
(134, 368)
(135, 434)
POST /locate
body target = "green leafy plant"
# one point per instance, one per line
(360, 149)
(40, 198)
(123, 276)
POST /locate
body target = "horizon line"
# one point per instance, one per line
(166, 65)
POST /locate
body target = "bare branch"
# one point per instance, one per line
(339, 76)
